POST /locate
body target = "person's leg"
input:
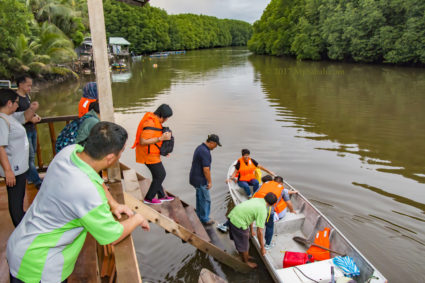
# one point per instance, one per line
(244, 185)
(15, 196)
(255, 185)
(32, 174)
(203, 203)
(158, 176)
(269, 229)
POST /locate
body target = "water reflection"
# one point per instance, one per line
(378, 109)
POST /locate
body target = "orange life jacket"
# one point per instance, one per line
(83, 106)
(246, 171)
(150, 153)
(322, 239)
(275, 188)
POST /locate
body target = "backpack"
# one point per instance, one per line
(167, 146)
(68, 135)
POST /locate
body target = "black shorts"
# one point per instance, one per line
(240, 237)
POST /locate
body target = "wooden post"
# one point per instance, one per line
(101, 63)
(39, 157)
(52, 137)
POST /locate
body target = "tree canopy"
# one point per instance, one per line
(150, 29)
(388, 31)
(37, 35)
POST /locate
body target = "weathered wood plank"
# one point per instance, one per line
(168, 224)
(196, 224)
(125, 255)
(207, 276)
(86, 268)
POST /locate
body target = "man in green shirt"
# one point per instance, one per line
(72, 202)
(242, 217)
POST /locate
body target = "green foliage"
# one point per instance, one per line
(150, 29)
(390, 31)
(14, 20)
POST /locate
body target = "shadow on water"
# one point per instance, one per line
(379, 109)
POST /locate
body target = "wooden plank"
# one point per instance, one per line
(125, 254)
(86, 268)
(178, 214)
(207, 276)
(131, 184)
(196, 224)
(168, 224)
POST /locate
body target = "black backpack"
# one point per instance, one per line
(167, 146)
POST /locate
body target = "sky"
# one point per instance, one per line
(245, 10)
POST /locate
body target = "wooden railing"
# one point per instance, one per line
(50, 122)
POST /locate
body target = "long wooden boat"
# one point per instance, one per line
(307, 221)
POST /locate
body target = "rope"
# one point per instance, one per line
(305, 275)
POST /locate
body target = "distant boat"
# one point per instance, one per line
(159, 54)
(136, 57)
(7, 84)
(119, 66)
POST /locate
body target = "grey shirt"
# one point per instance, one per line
(13, 138)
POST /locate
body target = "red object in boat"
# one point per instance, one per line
(295, 258)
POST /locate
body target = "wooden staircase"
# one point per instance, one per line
(180, 219)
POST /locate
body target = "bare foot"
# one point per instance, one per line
(252, 264)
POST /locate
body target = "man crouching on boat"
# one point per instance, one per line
(241, 219)
(72, 201)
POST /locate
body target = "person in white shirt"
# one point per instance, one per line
(14, 151)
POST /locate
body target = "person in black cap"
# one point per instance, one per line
(200, 177)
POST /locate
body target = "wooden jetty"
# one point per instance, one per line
(180, 219)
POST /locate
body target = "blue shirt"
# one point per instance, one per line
(201, 159)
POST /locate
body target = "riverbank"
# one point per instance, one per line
(53, 80)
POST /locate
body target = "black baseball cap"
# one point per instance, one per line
(214, 138)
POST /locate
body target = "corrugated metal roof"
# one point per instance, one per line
(118, 41)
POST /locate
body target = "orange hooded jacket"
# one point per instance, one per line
(148, 154)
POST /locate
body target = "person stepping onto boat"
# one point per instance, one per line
(148, 143)
(200, 177)
(224, 227)
(278, 211)
(73, 201)
(241, 220)
(244, 173)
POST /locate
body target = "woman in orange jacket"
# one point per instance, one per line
(149, 138)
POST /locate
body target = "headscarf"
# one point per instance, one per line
(90, 90)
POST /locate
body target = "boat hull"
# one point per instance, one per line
(305, 223)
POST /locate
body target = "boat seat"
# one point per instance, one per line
(290, 223)
(319, 271)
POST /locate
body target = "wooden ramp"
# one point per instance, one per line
(179, 218)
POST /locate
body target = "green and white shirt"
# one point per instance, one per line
(46, 244)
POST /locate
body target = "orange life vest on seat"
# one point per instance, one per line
(150, 153)
(322, 239)
(246, 171)
(275, 188)
(83, 106)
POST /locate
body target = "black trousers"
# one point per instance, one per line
(15, 197)
(158, 176)
(16, 280)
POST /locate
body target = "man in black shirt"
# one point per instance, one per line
(24, 88)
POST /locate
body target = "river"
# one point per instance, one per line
(350, 137)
